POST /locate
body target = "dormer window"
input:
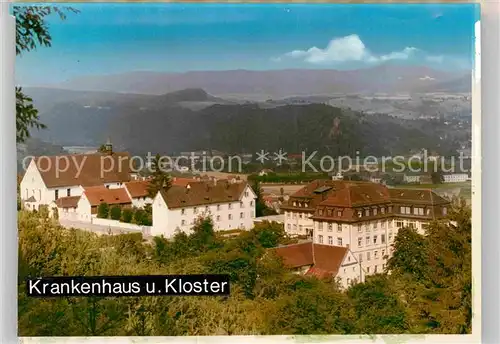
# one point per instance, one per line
(367, 212)
(305, 205)
(374, 211)
(339, 213)
(320, 212)
(382, 210)
(445, 211)
(294, 204)
(360, 213)
(329, 212)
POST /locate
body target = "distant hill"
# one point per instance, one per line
(142, 123)
(271, 83)
(459, 85)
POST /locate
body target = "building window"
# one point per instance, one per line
(367, 227)
(368, 258)
(367, 240)
(367, 212)
(230, 216)
(390, 209)
(399, 224)
(382, 238)
(445, 211)
(360, 229)
(339, 213)
(195, 210)
(418, 211)
(328, 212)
(183, 222)
(375, 211)
(330, 240)
(339, 228)
(375, 269)
(339, 241)
(368, 269)
(294, 228)
(375, 254)
(294, 204)
(428, 211)
(375, 225)
(218, 219)
(382, 210)
(374, 240)
(57, 194)
(251, 203)
(246, 193)
(300, 228)
(300, 215)
(241, 205)
(289, 226)
(348, 281)
(320, 212)
(242, 215)
(320, 226)
(218, 206)
(382, 224)
(390, 236)
(360, 213)
(360, 242)
(320, 239)
(68, 192)
(360, 257)
(330, 227)
(230, 206)
(183, 211)
(383, 254)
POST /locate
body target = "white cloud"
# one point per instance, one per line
(348, 48)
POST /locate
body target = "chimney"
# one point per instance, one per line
(108, 147)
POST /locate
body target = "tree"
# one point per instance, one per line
(261, 209)
(437, 177)
(127, 215)
(31, 31)
(160, 180)
(103, 210)
(115, 213)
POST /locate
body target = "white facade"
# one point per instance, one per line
(84, 209)
(298, 223)
(140, 202)
(350, 271)
(369, 241)
(32, 185)
(230, 215)
(455, 177)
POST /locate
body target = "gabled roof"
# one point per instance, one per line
(416, 196)
(137, 188)
(323, 259)
(83, 169)
(100, 194)
(67, 202)
(202, 193)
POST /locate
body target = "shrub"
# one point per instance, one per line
(103, 210)
(140, 217)
(127, 215)
(116, 213)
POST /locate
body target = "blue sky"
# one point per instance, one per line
(117, 38)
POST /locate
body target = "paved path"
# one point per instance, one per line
(99, 229)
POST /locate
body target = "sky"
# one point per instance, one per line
(117, 38)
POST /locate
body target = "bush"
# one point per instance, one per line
(103, 210)
(140, 216)
(127, 215)
(115, 213)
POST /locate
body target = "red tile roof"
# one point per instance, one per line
(67, 202)
(137, 188)
(84, 169)
(324, 259)
(203, 193)
(100, 194)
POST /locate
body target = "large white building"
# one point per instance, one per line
(361, 216)
(50, 178)
(231, 205)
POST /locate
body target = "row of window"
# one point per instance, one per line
(207, 208)
(295, 215)
(218, 218)
(330, 240)
(374, 211)
(376, 255)
(375, 269)
(330, 226)
(369, 241)
(300, 204)
(56, 193)
(374, 225)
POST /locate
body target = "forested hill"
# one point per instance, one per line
(236, 128)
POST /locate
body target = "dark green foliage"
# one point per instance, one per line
(115, 213)
(266, 298)
(127, 215)
(140, 217)
(437, 177)
(160, 179)
(103, 210)
(260, 207)
(31, 31)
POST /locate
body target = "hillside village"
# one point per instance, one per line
(344, 228)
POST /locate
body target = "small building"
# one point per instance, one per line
(280, 218)
(92, 197)
(322, 261)
(138, 193)
(230, 205)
